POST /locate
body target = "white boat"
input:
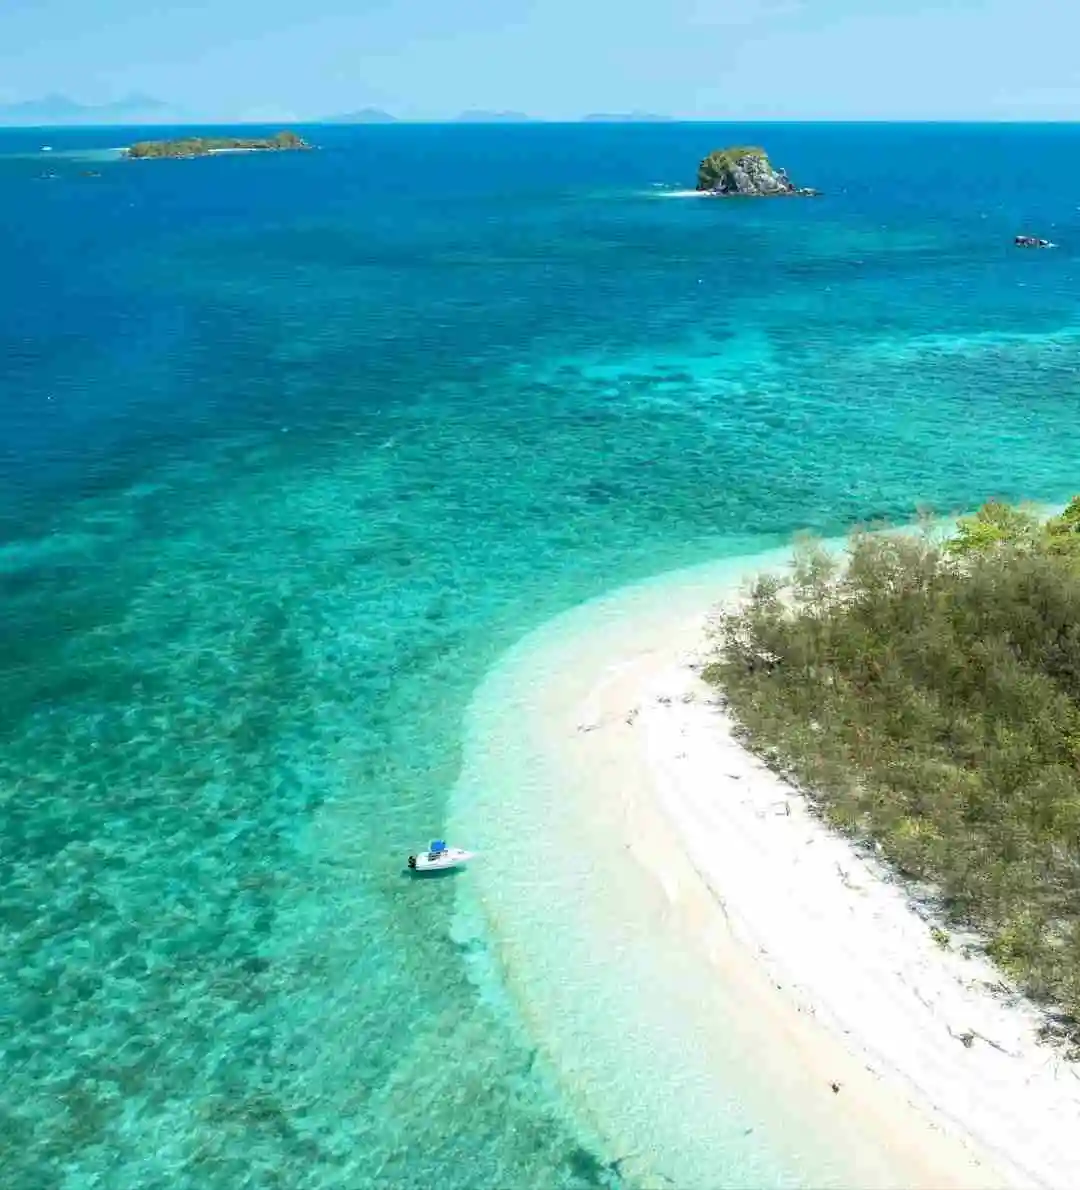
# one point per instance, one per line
(439, 857)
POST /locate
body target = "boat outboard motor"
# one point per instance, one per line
(412, 861)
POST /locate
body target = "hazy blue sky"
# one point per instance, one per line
(989, 59)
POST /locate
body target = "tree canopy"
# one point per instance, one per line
(201, 146)
(928, 693)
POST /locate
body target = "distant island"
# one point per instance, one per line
(55, 109)
(203, 146)
(745, 172)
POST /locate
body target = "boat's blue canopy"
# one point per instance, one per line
(437, 845)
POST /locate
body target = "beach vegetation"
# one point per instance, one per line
(940, 936)
(926, 693)
(995, 524)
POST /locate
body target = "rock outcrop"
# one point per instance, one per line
(745, 173)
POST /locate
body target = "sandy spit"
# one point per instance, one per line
(853, 1016)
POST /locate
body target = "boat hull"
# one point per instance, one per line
(453, 857)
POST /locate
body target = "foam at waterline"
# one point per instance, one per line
(645, 1037)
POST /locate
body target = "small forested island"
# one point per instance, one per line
(925, 692)
(203, 146)
(745, 172)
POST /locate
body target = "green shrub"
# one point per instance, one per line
(720, 162)
(930, 694)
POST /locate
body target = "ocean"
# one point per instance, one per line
(293, 448)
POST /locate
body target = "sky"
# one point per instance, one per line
(553, 59)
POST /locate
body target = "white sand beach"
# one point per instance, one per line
(685, 911)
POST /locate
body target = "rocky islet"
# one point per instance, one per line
(746, 172)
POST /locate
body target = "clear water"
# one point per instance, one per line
(293, 448)
(676, 1057)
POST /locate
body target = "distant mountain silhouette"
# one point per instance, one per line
(625, 118)
(366, 115)
(62, 109)
(484, 117)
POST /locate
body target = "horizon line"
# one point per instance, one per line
(454, 121)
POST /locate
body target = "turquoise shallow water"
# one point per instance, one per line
(293, 449)
(659, 1037)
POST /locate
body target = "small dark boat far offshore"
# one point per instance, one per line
(1032, 242)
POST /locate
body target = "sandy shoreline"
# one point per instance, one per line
(782, 934)
(848, 946)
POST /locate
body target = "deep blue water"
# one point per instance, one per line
(293, 446)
